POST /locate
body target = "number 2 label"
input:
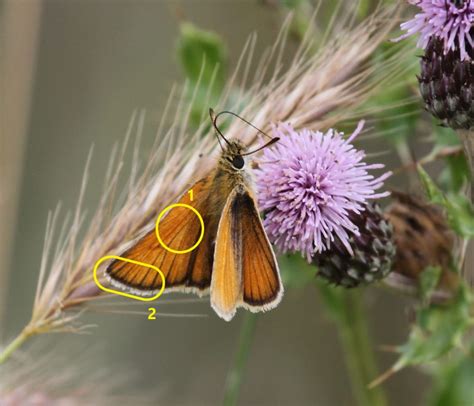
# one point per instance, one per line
(152, 311)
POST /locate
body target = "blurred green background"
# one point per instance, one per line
(92, 64)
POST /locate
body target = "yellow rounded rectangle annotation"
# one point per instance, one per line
(117, 292)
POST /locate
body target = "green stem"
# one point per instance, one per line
(346, 309)
(14, 345)
(234, 378)
(364, 346)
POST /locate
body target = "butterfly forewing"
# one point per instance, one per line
(226, 286)
(179, 230)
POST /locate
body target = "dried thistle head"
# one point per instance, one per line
(422, 237)
(318, 90)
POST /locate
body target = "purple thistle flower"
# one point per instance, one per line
(309, 183)
(448, 20)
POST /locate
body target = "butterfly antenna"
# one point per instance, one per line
(213, 116)
(272, 141)
(244, 120)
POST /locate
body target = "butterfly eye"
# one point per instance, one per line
(238, 162)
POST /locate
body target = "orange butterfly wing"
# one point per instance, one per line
(245, 271)
(262, 287)
(226, 286)
(179, 229)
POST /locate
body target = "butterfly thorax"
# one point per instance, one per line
(231, 172)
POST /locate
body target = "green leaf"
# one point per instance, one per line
(200, 52)
(444, 136)
(454, 383)
(203, 57)
(461, 215)
(429, 279)
(460, 212)
(435, 195)
(438, 330)
(456, 173)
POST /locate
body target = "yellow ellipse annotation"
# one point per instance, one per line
(129, 295)
(157, 230)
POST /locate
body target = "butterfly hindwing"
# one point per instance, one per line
(179, 229)
(245, 271)
(262, 288)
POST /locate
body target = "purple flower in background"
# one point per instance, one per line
(308, 184)
(448, 20)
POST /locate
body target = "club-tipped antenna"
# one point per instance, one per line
(272, 141)
(214, 118)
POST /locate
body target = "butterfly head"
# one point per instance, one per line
(233, 155)
(234, 152)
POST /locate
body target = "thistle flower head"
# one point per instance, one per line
(447, 20)
(308, 185)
